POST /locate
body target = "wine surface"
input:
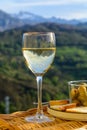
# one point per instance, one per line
(39, 59)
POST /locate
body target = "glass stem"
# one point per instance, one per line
(39, 90)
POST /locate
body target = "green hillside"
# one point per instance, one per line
(17, 81)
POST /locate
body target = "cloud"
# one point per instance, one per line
(77, 15)
(53, 2)
(44, 3)
(32, 3)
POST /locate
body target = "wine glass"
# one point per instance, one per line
(39, 51)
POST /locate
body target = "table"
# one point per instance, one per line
(16, 121)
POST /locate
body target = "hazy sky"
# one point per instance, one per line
(68, 9)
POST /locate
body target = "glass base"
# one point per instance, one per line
(39, 119)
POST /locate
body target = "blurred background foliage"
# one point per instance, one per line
(18, 82)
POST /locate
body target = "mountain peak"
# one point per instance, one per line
(24, 14)
(27, 15)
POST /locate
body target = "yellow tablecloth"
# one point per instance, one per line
(16, 121)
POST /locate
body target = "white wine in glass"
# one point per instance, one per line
(39, 51)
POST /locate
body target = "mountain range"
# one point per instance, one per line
(9, 21)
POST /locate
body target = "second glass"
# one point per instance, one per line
(78, 92)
